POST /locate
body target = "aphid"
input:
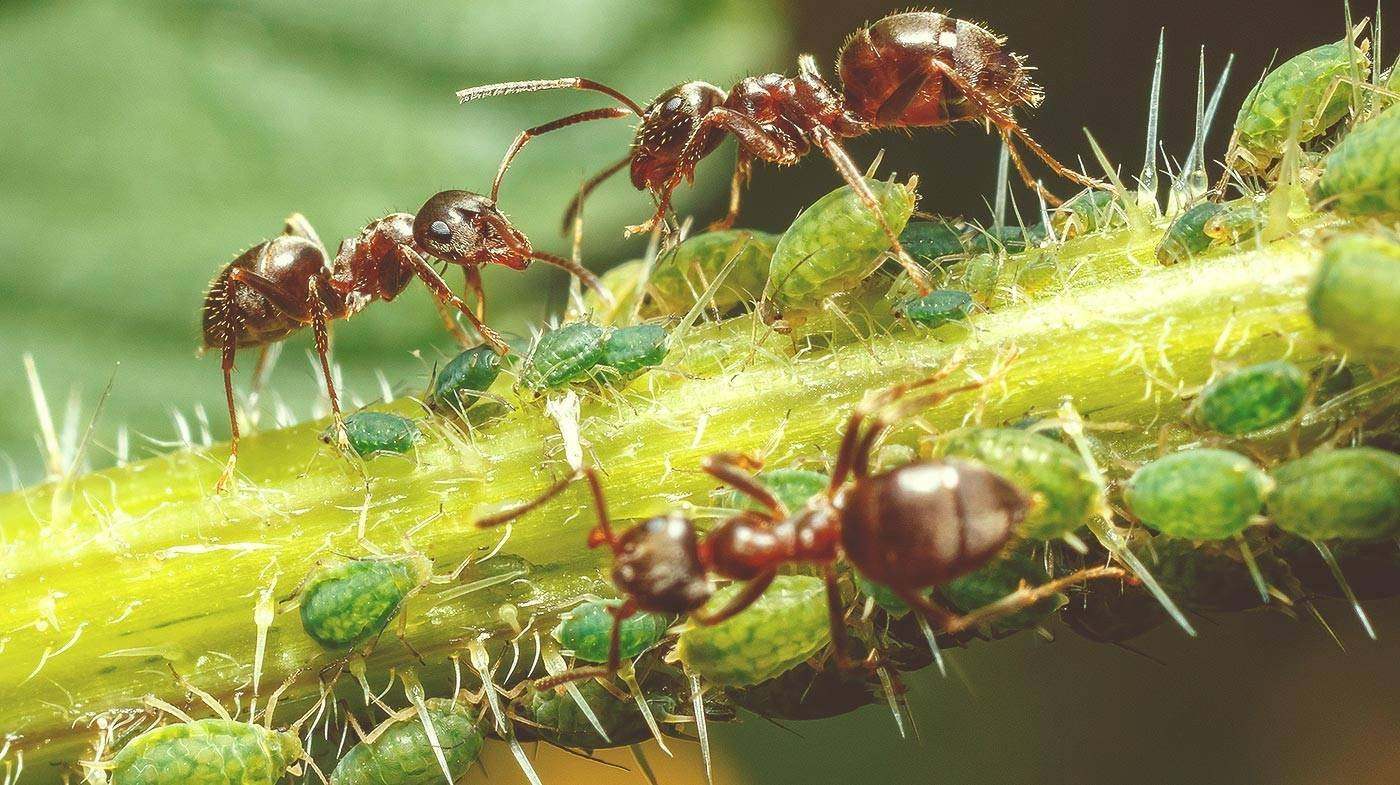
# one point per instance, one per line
(1351, 493)
(346, 604)
(1198, 494)
(1008, 239)
(565, 354)
(373, 433)
(458, 386)
(631, 349)
(685, 271)
(1361, 176)
(1186, 237)
(1308, 86)
(932, 241)
(1015, 567)
(1035, 273)
(910, 70)
(282, 285)
(550, 716)
(807, 693)
(400, 753)
(1372, 569)
(1055, 476)
(936, 308)
(627, 284)
(1089, 212)
(1254, 398)
(586, 631)
(1354, 294)
(1204, 576)
(207, 752)
(1241, 220)
(835, 244)
(785, 626)
(792, 487)
(981, 276)
(1112, 614)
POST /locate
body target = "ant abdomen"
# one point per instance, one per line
(290, 261)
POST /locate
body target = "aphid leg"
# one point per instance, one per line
(606, 113)
(739, 602)
(734, 469)
(575, 208)
(743, 166)
(443, 293)
(536, 85)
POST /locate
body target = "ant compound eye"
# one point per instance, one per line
(673, 104)
(440, 231)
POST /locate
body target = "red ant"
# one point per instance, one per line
(911, 528)
(909, 70)
(281, 285)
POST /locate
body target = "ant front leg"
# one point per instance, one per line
(320, 328)
(443, 293)
(740, 602)
(621, 613)
(473, 276)
(734, 469)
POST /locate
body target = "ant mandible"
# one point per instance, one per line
(281, 285)
(911, 528)
(909, 70)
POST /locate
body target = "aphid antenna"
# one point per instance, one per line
(1137, 220)
(1336, 569)
(1352, 31)
(1147, 179)
(1003, 186)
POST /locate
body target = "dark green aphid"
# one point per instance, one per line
(683, 273)
(346, 604)
(786, 626)
(1089, 212)
(1186, 237)
(1011, 239)
(936, 308)
(793, 487)
(554, 717)
(835, 244)
(1355, 293)
(1208, 576)
(1200, 494)
(566, 354)
(402, 754)
(1114, 613)
(459, 383)
(1372, 569)
(1015, 566)
(1362, 173)
(628, 350)
(586, 630)
(1254, 398)
(375, 433)
(206, 752)
(1241, 220)
(1309, 87)
(931, 241)
(1057, 478)
(1351, 493)
(804, 693)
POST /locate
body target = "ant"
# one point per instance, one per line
(911, 528)
(281, 285)
(909, 70)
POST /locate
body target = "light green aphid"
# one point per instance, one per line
(565, 355)
(348, 603)
(375, 433)
(793, 487)
(787, 625)
(1090, 211)
(586, 630)
(981, 276)
(628, 350)
(1036, 273)
(1362, 173)
(1355, 293)
(206, 752)
(682, 273)
(1241, 220)
(625, 283)
(998, 579)
(1059, 482)
(835, 244)
(936, 308)
(1200, 494)
(1251, 399)
(557, 719)
(1011, 239)
(1186, 237)
(931, 241)
(457, 385)
(1310, 87)
(402, 754)
(1351, 493)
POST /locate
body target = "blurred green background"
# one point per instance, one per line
(144, 144)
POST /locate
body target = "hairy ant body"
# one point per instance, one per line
(911, 528)
(910, 70)
(281, 285)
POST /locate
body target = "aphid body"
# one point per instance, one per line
(1355, 293)
(403, 754)
(1186, 237)
(457, 387)
(1064, 491)
(346, 604)
(1361, 175)
(374, 433)
(1351, 493)
(685, 271)
(565, 354)
(206, 752)
(586, 631)
(1254, 398)
(1198, 494)
(784, 627)
(936, 308)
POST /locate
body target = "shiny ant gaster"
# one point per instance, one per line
(910, 70)
(281, 285)
(911, 528)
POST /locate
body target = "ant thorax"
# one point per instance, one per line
(368, 267)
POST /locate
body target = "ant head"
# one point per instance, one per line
(667, 124)
(658, 562)
(461, 227)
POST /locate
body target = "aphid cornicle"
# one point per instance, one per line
(206, 752)
(1198, 494)
(908, 70)
(401, 753)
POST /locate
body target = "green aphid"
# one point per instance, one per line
(1062, 488)
(1208, 576)
(884, 597)
(1362, 173)
(835, 244)
(586, 630)
(1036, 273)
(566, 354)
(1355, 293)
(1351, 493)
(459, 383)
(793, 487)
(686, 271)
(981, 276)
(554, 717)
(628, 350)
(1186, 237)
(1311, 86)
(348, 603)
(1372, 569)
(1089, 212)
(625, 283)
(936, 308)
(206, 752)
(377, 433)
(1199, 494)
(805, 693)
(1241, 220)
(1113, 612)
(932, 241)
(1011, 239)
(402, 753)
(1254, 398)
(1015, 566)
(786, 626)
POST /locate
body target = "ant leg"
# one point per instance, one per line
(621, 613)
(230, 348)
(321, 332)
(450, 323)
(741, 601)
(734, 469)
(536, 85)
(473, 275)
(607, 113)
(585, 276)
(443, 293)
(836, 615)
(742, 165)
(602, 532)
(1024, 597)
(576, 204)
